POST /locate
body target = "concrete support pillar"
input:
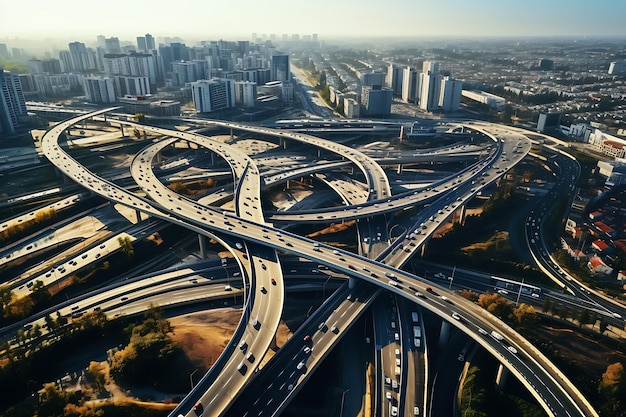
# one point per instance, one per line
(274, 344)
(501, 377)
(352, 282)
(423, 248)
(212, 158)
(399, 168)
(462, 212)
(138, 215)
(232, 136)
(122, 129)
(444, 334)
(202, 246)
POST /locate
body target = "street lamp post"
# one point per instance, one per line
(343, 394)
(191, 377)
(519, 293)
(452, 277)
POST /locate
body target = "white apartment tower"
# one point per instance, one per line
(12, 102)
(212, 95)
(245, 93)
(410, 85)
(450, 94)
(99, 89)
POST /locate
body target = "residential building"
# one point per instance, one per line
(12, 102)
(617, 67)
(372, 78)
(212, 95)
(280, 68)
(99, 89)
(130, 85)
(450, 94)
(410, 85)
(376, 100)
(351, 108)
(395, 78)
(245, 93)
(112, 45)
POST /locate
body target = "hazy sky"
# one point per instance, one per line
(208, 19)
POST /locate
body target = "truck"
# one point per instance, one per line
(415, 317)
(417, 331)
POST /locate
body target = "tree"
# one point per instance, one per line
(583, 317)
(495, 304)
(603, 325)
(126, 245)
(547, 306)
(50, 325)
(613, 374)
(39, 293)
(524, 315)
(52, 401)
(96, 374)
(6, 295)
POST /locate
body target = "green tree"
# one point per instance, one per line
(52, 401)
(547, 306)
(126, 245)
(583, 317)
(39, 293)
(6, 295)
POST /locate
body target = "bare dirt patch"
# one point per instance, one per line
(203, 336)
(590, 354)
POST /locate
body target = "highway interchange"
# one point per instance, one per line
(256, 240)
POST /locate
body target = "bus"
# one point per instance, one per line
(515, 286)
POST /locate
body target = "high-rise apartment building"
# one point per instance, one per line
(245, 93)
(112, 45)
(82, 59)
(410, 85)
(4, 51)
(150, 45)
(376, 100)
(141, 44)
(395, 78)
(99, 89)
(372, 78)
(212, 95)
(280, 67)
(430, 86)
(450, 94)
(132, 86)
(12, 102)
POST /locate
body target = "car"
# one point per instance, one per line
(394, 411)
(456, 316)
(336, 252)
(393, 283)
(300, 365)
(416, 411)
(352, 267)
(482, 331)
(306, 338)
(198, 408)
(307, 350)
(250, 357)
(417, 342)
(322, 327)
(243, 345)
(334, 329)
(388, 395)
(419, 294)
(124, 298)
(503, 292)
(446, 299)
(242, 367)
(396, 336)
(228, 288)
(289, 387)
(512, 349)
(263, 289)
(496, 335)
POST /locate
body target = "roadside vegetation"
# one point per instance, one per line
(145, 357)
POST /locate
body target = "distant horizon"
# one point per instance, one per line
(365, 20)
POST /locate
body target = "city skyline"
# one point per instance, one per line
(399, 18)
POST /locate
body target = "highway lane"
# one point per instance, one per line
(544, 370)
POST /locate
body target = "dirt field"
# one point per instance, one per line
(591, 356)
(204, 335)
